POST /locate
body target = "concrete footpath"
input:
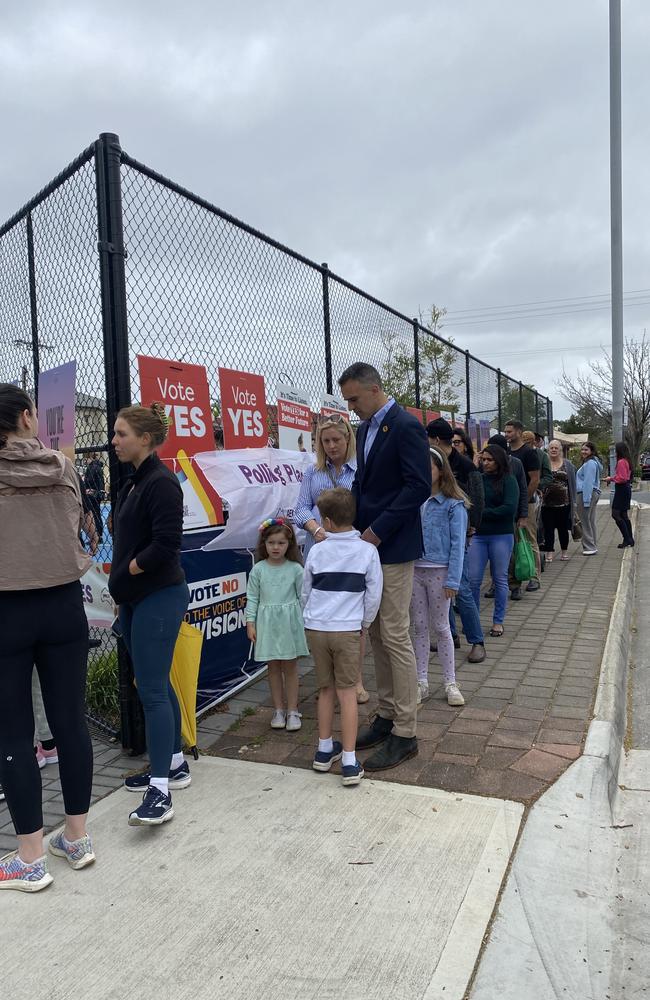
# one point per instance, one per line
(574, 919)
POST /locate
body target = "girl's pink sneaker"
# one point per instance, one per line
(49, 756)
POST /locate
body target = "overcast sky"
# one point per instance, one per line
(449, 151)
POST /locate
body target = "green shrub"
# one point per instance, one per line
(102, 690)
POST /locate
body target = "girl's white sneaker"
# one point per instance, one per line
(423, 691)
(293, 722)
(454, 697)
(279, 719)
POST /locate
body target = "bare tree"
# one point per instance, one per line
(592, 394)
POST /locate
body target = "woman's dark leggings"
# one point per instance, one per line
(620, 511)
(150, 629)
(623, 524)
(48, 629)
(555, 518)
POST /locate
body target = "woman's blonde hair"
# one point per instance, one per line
(528, 438)
(151, 420)
(345, 428)
(448, 485)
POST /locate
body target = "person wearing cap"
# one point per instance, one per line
(440, 434)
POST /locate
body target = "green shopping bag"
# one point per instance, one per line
(524, 558)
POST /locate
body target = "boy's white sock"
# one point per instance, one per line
(326, 746)
(177, 760)
(349, 757)
(161, 783)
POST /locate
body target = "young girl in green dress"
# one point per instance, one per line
(274, 617)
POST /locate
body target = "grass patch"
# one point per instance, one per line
(102, 686)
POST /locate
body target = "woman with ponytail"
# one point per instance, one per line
(148, 583)
(42, 624)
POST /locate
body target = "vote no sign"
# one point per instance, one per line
(243, 409)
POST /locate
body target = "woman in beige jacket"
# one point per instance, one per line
(42, 623)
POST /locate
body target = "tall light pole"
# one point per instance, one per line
(616, 212)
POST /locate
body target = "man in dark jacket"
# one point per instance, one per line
(392, 481)
(440, 434)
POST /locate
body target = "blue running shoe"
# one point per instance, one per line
(323, 759)
(78, 853)
(180, 777)
(352, 773)
(28, 878)
(156, 808)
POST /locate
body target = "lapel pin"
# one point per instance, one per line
(385, 428)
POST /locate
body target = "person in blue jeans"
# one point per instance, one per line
(494, 539)
(442, 436)
(148, 583)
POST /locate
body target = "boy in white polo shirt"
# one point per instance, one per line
(341, 593)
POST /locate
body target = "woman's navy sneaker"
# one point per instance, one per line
(156, 808)
(179, 777)
(323, 759)
(352, 773)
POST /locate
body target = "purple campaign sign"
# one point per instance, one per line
(56, 399)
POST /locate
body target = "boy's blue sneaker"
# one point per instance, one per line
(156, 808)
(180, 777)
(323, 759)
(352, 773)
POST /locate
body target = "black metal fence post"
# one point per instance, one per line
(536, 412)
(468, 394)
(326, 326)
(31, 266)
(521, 402)
(118, 384)
(499, 414)
(549, 417)
(416, 359)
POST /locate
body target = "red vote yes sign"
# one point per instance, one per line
(243, 409)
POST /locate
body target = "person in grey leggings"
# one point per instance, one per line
(588, 494)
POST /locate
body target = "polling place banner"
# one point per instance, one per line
(243, 409)
(183, 391)
(256, 483)
(56, 408)
(294, 418)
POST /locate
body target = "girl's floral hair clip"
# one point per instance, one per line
(272, 522)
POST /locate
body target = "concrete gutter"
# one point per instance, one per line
(560, 930)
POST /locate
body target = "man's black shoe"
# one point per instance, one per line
(532, 585)
(395, 751)
(378, 731)
(515, 594)
(489, 592)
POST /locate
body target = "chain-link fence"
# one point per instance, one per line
(112, 260)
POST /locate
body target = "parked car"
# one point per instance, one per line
(645, 467)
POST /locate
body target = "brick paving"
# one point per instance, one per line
(528, 705)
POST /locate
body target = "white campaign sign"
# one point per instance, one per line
(294, 418)
(98, 603)
(256, 483)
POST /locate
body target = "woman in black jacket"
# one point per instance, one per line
(148, 583)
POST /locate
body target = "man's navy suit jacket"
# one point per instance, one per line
(393, 484)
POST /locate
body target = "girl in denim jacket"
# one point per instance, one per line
(437, 575)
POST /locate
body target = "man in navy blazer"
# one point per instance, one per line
(392, 481)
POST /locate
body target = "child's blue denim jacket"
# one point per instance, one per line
(444, 532)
